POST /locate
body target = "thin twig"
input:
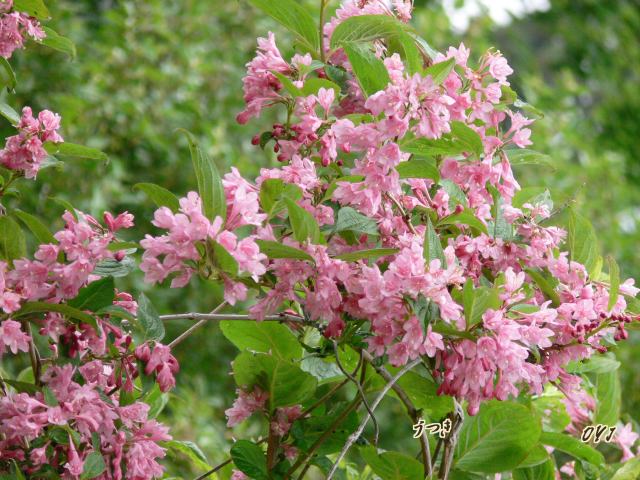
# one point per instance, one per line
(451, 440)
(336, 423)
(281, 317)
(412, 411)
(360, 390)
(34, 355)
(194, 327)
(354, 436)
(324, 398)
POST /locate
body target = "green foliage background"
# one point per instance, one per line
(146, 68)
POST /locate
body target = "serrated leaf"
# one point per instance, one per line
(75, 150)
(466, 217)
(190, 450)
(418, 168)
(544, 471)
(524, 156)
(264, 337)
(224, 260)
(295, 18)
(43, 307)
(370, 72)
(467, 137)
(35, 8)
(392, 465)
(58, 42)
(159, 195)
(498, 438)
(365, 29)
(629, 471)
(149, 320)
(93, 466)
(304, 226)
(278, 250)
(572, 446)
(432, 248)
(12, 242)
(39, 230)
(366, 254)
(95, 296)
(214, 201)
(286, 383)
(614, 282)
(348, 219)
(312, 85)
(440, 71)
(8, 79)
(477, 301)
(423, 393)
(546, 286)
(581, 240)
(608, 398)
(249, 459)
(9, 113)
(111, 267)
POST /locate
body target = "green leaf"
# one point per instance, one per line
(535, 457)
(93, 466)
(404, 45)
(264, 337)
(156, 400)
(190, 450)
(456, 195)
(544, 471)
(467, 137)
(214, 201)
(9, 113)
(365, 29)
(524, 156)
(392, 465)
(39, 230)
(111, 267)
(288, 84)
(224, 260)
(478, 300)
(466, 217)
(552, 411)
(572, 446)
(432, 248)
(49, 397)
(74, 150)
(312, 85)
(152, 326)
(8, 79)
(581, 240)
(35, 8)
(12, 242)
(418, 168)
(500, 228)
(366, 254)
(43, 307)
(295, 18)
(614, 282)
(498, 438)
(159, 195)
(66, 205)
(608, 396)
(423, 393)
(58, 42)
(545, 284)
(303, 224)
(596, 364)
(369, 70)
(278, 250)
(96, 295)
(323, 370)
(629, 471)
(273, 190)
(250, 459)
(23, 387)
(349, 219)
(441, 70)
(286, 383)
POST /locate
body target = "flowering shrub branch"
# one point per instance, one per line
(393, 237)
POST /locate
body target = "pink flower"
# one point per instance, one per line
(14, 27)
(13, 338)
(245, 405)
(626, 438)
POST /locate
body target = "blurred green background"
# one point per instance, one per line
(146, 68)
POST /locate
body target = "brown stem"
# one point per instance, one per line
(219, 467)
(194, 327)
(34, 356)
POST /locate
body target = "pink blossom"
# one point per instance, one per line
(13, 338)
(626, 438)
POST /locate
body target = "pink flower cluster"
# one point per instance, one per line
(180, 252)
(25, 152)
(58, 431)
(524, 339)
(15, 27)
(60, 269)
